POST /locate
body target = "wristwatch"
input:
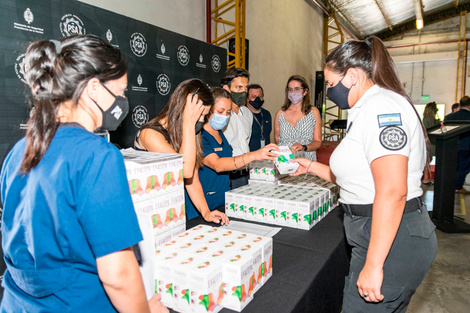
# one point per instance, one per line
(305, 147)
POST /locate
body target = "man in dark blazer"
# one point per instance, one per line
(463, 165)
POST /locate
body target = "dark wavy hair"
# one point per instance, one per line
(173, 112)
(57, 72)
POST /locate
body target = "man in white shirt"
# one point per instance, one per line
(238, 129)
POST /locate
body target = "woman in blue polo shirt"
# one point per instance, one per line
(218, 160)
(66, 237)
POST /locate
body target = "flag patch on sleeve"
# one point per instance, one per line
(389, 119)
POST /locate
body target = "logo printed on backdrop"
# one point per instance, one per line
(109, 35)
(200, 64)
(138, 44)
(29, 18)
(163, 84)
(183, 55)
(215, 63)
(71, 24)
(140, 116)
(163, 56)
(139, 88)
(19, 68)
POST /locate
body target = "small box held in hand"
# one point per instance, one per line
(283, 163)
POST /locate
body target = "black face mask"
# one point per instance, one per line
(199, 126)
(117, 112)
(257, 103)
(339, 95)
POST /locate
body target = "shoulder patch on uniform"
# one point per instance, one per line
(389, 119)
(393, 138)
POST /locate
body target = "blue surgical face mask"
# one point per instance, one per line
(218, 121)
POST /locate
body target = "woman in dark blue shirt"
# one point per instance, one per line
(218, 160)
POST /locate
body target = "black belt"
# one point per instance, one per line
(366, 209)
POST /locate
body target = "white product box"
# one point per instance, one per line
(151, 174)
(283, 163)
(181, 293)
(256, 252)
(206, 287)
(230, 204)
(266, 243)
(269, 205)
(237, 271)
(164, 276)
(306, 209)
(250, 210)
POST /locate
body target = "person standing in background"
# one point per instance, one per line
(238, 129)
(430, 120)
(262, 122)
(298, 124)
(455, 107)
(463, 164)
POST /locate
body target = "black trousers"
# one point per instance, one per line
(463, 168)
(407, 263)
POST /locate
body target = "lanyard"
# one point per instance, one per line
(260, 124)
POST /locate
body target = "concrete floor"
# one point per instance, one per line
(446, 287)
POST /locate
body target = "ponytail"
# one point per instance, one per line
(42, 125)
(56, 72)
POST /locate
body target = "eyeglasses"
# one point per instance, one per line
(296, 89)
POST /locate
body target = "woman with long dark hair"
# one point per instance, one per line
(378, 166)
(177, 129)
(66, 237)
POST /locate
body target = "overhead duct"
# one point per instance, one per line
(419, 14)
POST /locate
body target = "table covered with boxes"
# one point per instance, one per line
(199, 267)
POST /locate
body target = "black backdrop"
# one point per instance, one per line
(158, 59)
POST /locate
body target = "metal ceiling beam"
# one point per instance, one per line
(428, 19)
(385, 16)
(347, 18)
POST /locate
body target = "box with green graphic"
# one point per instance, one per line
(283, 161)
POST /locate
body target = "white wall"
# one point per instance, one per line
(186, 17)
(286, 38)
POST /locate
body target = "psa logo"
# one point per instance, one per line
(215, 63)
(183, 55)
(163, 84)
(140, 116)
(138, 44)
(71, 25)
(19, 68)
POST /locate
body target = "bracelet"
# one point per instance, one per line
(243, 159)
(308, 167)
(235, 163)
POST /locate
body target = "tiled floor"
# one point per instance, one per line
(446, 287)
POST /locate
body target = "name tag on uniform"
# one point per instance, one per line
(218, 149)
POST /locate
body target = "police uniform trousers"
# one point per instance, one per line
(409, 259)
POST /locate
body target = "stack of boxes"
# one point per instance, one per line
(263, 172)
(157, 190)
(205, 269)
(295, 202)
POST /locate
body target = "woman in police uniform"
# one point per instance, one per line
(378, 166)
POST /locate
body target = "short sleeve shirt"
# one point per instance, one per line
(72, 208)
(381, 123)
(214, 185)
